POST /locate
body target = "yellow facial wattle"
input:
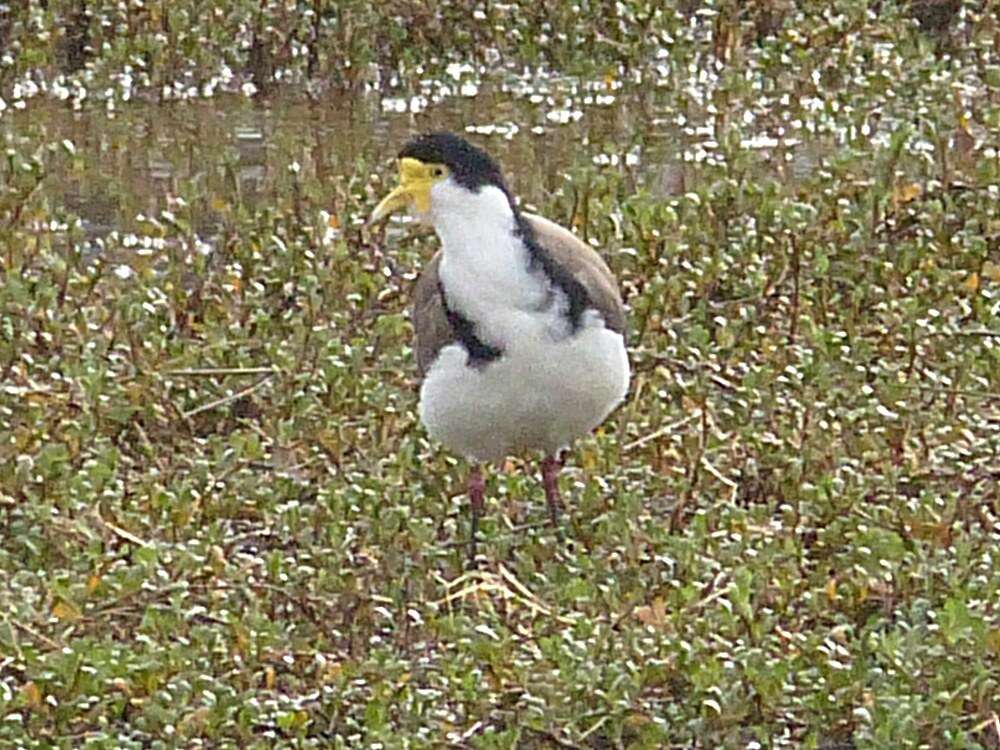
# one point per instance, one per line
(416, 178)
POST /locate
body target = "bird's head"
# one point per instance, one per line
(438, 175)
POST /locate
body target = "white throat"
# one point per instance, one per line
(463, 219)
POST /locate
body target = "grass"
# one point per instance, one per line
(222, 523)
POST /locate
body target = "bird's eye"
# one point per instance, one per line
(438, 172)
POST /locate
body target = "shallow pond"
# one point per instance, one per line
(143, 158)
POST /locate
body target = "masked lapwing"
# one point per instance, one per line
(520, 328)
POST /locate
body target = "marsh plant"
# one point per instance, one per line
(221, 523)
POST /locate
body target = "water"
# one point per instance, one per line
(146, 158)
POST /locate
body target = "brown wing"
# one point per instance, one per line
(586, 266)
(429, 318)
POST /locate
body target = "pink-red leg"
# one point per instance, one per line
(477, 497)
(551, 466)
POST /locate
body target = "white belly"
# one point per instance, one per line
(540, 395)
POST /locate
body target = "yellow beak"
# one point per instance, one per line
(414, 190)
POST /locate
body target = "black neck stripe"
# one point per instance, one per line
(577, 296)
(480, 353)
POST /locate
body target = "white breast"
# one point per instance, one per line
(531, 398)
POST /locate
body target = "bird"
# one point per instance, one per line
(520, 326)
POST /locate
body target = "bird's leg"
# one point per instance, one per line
(477, 493)
(550, 480)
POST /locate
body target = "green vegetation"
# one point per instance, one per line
(787, 537)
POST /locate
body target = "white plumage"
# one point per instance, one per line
(551, 385)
